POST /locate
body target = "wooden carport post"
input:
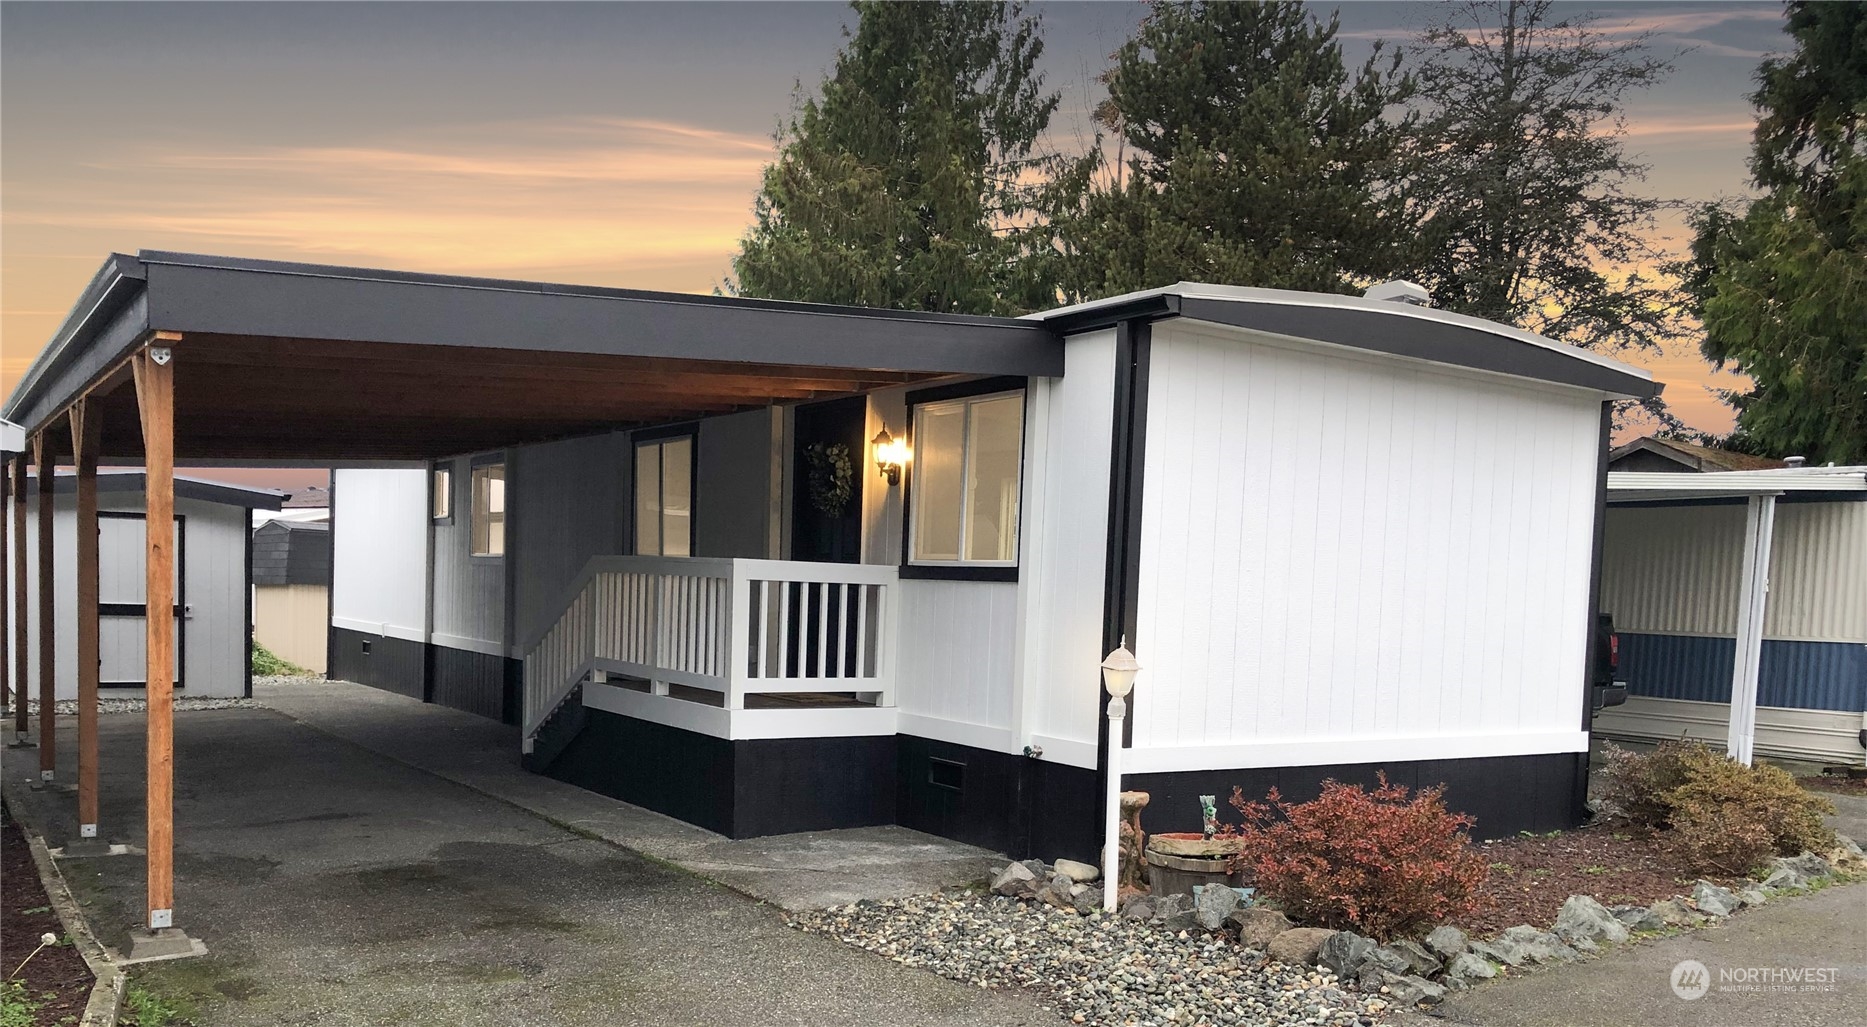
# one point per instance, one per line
(86, 425)
(154, 371)
(48, 678)
(21, 665)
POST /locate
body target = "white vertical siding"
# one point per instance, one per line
(379, 552)
(1673, 570)
(1347, 547)
(1065, 557)
(955, 661)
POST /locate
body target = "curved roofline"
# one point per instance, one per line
(1169, 301)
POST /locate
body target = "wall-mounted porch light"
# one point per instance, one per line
(890, 454)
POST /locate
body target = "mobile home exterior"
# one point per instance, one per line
(1298, 510)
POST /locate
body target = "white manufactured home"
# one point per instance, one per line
(771, 566)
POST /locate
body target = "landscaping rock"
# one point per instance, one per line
(1379, 964)
(1297, 945)
(1466, 968)
(1094, 970)
(1139, 907)
(1257, 926)
(1447, 941)
(1752, 897)
(1344, 952)
(1846, 852)
(1012, 880)
(1785, 879)
(1081, 873)
(1037, 868)
(1524, 944)
(1583, 919)
(1809, 865)
(1213, 904)
(1673, 913)
(1407, 990)
(1087, 898)
(1419, 960)
(1056, 892)
(1637, 918)
(1713, 899)
(1176, 913)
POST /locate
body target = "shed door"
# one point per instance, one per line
(122, 628)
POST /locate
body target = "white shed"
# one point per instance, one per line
(212, 614)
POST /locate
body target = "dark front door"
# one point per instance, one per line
(828, 457)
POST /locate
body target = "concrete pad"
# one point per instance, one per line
(811, 870)
(339, 887)
(160, 944)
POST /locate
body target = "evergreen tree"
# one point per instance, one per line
(1521, 183)
(1249, 155)
(1782, 286)
(914, 179)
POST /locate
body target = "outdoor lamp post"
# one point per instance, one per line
(1118, 671)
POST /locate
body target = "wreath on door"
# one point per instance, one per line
(832, 477)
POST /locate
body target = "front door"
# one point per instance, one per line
(122, 609)
(826, 496)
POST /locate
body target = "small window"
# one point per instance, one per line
(664, 496)
(968, 456)
(489, 509)
(442, 489)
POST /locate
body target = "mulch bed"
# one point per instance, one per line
(1531, 877)
(1839, 784)
(57, 976)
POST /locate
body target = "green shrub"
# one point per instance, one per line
(267, 664)
(1721, 815)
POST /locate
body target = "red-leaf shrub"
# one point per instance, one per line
(1371, 861)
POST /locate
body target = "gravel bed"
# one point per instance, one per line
(1099, 970)
(183, 704)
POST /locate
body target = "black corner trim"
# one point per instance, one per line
(1128, 447)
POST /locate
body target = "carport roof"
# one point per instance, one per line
(313, 363)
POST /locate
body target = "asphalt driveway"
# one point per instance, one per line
(336, 886)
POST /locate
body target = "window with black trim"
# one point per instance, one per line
(664, 496)
(966, 467)
(441, 489)
(489, 509)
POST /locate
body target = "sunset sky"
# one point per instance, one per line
(590, 143)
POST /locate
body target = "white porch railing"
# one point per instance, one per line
(736, 627)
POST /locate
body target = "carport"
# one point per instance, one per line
(171, 359)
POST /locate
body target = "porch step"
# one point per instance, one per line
(558, 731)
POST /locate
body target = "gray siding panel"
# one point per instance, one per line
(571, 503)
(732, 508)
(469, 592)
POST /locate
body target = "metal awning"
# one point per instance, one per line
(305, 363)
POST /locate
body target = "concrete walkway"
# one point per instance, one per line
(1633, 985)
(336, 886)
(797, 871)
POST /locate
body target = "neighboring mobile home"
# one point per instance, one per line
(773, 566)
(211, 612)
(1699, 624)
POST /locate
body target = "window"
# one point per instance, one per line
(664, 496)
(489, 509)
(441, 489)
(964, 499)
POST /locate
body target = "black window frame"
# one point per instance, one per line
(940, 394)
(435, 470)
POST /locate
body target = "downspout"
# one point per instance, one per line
(1121, 589)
